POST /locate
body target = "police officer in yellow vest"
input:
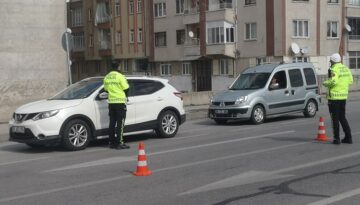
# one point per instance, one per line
(117, 87)
(340, 78)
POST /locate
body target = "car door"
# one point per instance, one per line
(149, 100)
(297, 89)
(277, 98)
(102, 112)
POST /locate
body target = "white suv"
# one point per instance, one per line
(79, 113)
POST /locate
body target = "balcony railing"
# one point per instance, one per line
(354, 37)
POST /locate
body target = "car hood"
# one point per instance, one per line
(47, 105)
(231, 95)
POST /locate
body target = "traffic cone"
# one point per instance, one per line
(321, 132)
(142, 169)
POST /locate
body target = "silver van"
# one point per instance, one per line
(268, 90)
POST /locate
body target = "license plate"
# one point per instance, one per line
(18, 129)
(221, 111)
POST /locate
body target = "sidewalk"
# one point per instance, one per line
(193, 112)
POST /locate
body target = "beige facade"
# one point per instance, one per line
(202, 45)
(33, 63)
(264, 32)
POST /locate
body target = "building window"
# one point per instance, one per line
(250, 31)
(261, 60)
(160, 39)
(216, 35)
(224, 65)
(90, 14)
(354, 2)
(354, 59)
(179, 6)
(132, 36)
(160, 9)
(180, 37)
(79, 43)
(301, 28)
(117, 8)
(300, 0)
(140, 35)
(250, 2)
(333, 1)
(131, 7)
(126, 65)
(354, 23)
(139, 6)
(76, 17)
(300, 59)
(118, 38)
(186, 68)
(91, 41)
(332, 29)
(229, 35)
(165, 69)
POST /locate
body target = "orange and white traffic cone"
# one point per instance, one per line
(142, 169)
(321, 132)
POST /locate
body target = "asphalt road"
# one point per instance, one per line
(278, 162)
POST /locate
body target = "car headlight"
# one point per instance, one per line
(240, 100)
(43, 115)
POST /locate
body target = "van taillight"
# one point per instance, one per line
(177, 94)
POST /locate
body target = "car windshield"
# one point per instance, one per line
(81, 89)
(250, 81)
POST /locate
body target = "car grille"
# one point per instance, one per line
(223, 103)
(23, 117)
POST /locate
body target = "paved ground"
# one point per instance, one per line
(192, 113)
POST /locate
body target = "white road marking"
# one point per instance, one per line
(337, 197)
(112, 160)
(21, 161)
(116, 160)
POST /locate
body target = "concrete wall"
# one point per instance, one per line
(32, 61)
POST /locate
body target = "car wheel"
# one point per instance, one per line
(258, 115)
(168, 124)
(220, 122)
(76, 135)
(310, 109)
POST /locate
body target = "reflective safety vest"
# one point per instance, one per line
(115, 83)
(339, 82)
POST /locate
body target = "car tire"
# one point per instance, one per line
(76, 135)
(310, 109)
(167, 125)
(258, 115)
(220, 121)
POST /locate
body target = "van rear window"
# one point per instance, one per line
(310, 76)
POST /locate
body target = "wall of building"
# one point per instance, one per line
(33, 63)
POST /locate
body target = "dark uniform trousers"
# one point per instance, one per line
(337, 113)
(117, 114)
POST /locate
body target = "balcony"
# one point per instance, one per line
(190, 17)
(221, 49)
(221, 15)
(192, 47)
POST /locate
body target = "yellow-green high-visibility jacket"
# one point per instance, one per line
(339, 82)
(115, 83)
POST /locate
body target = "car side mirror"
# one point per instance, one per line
(102, 96)
(274, 86)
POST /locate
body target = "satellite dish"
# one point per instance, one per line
(304, 50)
(295, 48)
(191, 34)
(348, 27)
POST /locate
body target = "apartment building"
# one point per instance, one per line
(202, 45)
(106, 30)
